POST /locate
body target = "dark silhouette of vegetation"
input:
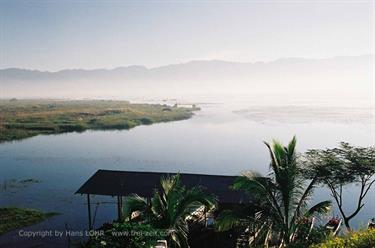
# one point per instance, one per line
(126, 235)
(169, 207)
(281, 198)
(339, 167)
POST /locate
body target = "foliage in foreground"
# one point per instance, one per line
(127, 235)
(12, 218)
(169, 208)
(338, 167)
(360, 239)
(316, 235)
(281, 198)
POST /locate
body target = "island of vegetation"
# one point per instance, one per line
(12, 218)
(21, 119)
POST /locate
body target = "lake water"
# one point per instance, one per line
(222, 138)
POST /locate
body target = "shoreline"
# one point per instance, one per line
(21, 119)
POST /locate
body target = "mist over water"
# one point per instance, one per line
(242, 105)
(222, 138)
(338, 80)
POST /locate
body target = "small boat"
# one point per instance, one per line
(334, 225)
(371, 224)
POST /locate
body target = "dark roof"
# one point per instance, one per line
(124, 183)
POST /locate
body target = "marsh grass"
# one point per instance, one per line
(21, 119)
(12, 218)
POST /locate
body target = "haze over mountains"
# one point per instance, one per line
(337, 77)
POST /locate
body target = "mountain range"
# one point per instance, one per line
(347, 76)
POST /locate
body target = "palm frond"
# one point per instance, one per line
(274, 162)
(323, 207)
(251, 183)
(134, 203)
(229, 219)
(292, 146)
(302, 202)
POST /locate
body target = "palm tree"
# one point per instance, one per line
(170, 206)
(281, 198)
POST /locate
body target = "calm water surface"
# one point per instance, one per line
(215, 141)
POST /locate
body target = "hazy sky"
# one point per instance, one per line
(54, 35)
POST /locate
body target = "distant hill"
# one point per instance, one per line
(339, 75)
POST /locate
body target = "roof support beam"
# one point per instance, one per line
(119, 208)
(89, 210)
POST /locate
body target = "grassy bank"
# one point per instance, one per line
(12, 218)
(21, 119)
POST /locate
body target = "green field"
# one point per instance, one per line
(21, 119)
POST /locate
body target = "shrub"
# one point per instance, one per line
(317, 235)
(72, 128)
(360, 239)
(146, 121)
(127, 235)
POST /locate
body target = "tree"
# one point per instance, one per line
(170, 206)
(281, 196)
(338, 167)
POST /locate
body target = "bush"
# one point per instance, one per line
(360, 239)
(316, 236)
(126, 235)
(319, 235)
(72, 128)
(146, 121)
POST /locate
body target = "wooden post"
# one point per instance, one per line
(119, 207)
(148, 207)
(122, 207)
(89, 210)
(205, 216)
